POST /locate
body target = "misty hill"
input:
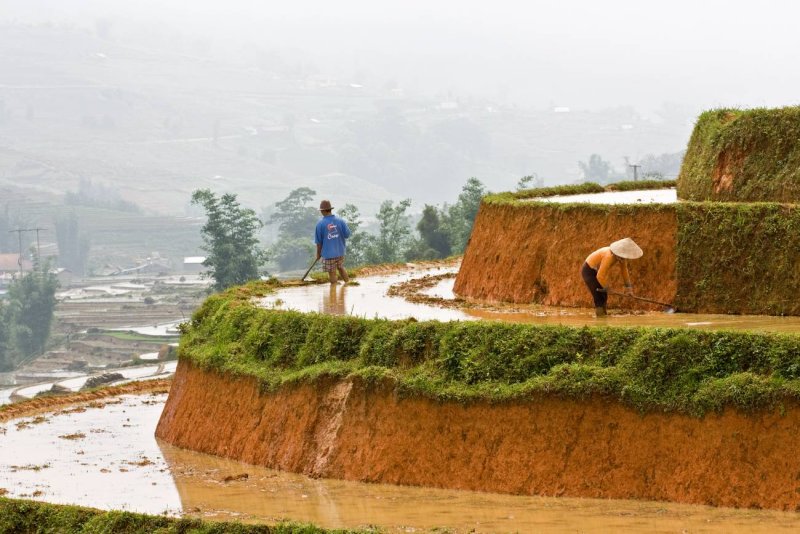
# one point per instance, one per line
(156, 124)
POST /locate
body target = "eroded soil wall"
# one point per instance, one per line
(544, 446)
(533, 252)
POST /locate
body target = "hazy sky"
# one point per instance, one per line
(583, 54)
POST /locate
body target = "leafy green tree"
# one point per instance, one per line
(296, 220)
(596, 170)
(230, 239)
(32, 302)
(394, 233)
(461, 215)
(73, 245)
(294, 216)
(357, 243)
(531, 181)
(432, 235)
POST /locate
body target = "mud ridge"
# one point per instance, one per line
(47, 404)
(366, 431)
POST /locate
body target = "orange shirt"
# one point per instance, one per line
(601, 261)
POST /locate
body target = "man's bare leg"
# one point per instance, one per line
(343, 274)
(333, 277)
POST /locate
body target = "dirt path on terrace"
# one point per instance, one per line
(47, 404)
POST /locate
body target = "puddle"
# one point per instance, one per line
(652, 196)
(93, 470)
(162, 329)
(108, 458)
(369, 300)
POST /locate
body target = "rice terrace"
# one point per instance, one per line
(478, 393)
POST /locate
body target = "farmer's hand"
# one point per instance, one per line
(319, 255)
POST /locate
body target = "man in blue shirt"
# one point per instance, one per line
(330, 237)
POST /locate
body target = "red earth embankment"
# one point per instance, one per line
(542, 446)
(532, 252)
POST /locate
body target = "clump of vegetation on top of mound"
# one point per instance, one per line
(743, 155)
(30, 516)
(669, 370)
(578, 189)
(738, 257)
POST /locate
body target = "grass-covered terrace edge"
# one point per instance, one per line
(649, 369)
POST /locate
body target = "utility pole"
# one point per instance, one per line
(635, 173)
(19, 232)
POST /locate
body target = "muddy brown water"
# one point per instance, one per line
(105, 456)
(369, 300)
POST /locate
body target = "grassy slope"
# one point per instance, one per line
(758, 147)
(24, 516)
(676, 370)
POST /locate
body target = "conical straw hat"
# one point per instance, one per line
(626, 248)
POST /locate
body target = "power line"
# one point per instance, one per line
(19, 232)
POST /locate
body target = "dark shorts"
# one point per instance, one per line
(590, 278)
(329, 265)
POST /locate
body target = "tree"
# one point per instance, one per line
(432, 235)
(295, 218)
(296, 221)
(461, 215)
(230, 239)
(29, 314)
(531, 181)
(73, 246)
(357, 243)
(596, 170)
(393, 236)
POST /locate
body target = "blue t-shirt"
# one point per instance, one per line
(331, 233)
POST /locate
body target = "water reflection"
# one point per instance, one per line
(270, 495)
(333, 300)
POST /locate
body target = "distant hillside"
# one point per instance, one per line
(157, 124)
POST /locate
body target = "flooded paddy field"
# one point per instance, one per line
(369, 299)
(103, 454)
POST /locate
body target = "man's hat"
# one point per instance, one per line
(325, 205)
(626, 248)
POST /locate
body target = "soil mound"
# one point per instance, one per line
(743, 156)
(363, 430)
(532, 252)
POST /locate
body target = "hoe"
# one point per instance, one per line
(668, 308)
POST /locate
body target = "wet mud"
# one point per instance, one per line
(427, 294)
(119, 464)
(543, 446)
(533, 254)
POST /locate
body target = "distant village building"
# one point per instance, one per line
(10, 268)
(194, 264)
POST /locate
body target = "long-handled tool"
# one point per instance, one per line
(669, 307)
(309, 269)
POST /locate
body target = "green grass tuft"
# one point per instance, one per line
(650, 369)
